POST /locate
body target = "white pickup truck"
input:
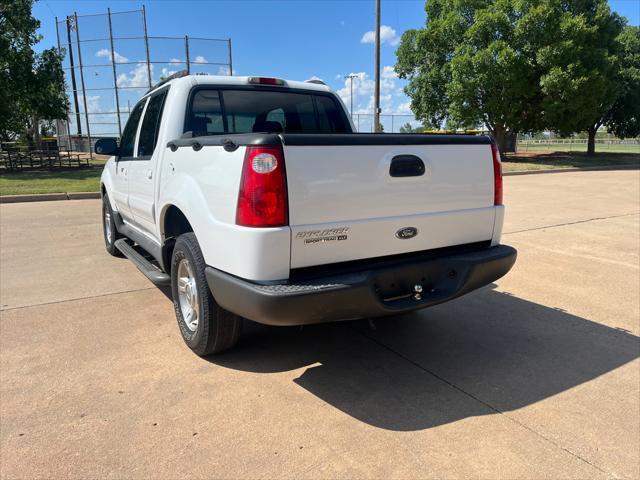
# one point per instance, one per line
(254, 198)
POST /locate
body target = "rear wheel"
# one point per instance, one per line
(206, 327)
(109, 230)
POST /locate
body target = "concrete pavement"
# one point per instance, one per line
(535, 377)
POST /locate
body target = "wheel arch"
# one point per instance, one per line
(173, 223)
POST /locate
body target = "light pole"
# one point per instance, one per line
(376, 116)
(351, 77)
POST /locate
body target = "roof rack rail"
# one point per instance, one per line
(180, 74)
(316, 81)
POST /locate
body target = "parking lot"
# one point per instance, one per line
(536, 376)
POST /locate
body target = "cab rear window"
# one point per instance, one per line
(218, 111)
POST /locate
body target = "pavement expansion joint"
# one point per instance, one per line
(89, 297)
(595, 219)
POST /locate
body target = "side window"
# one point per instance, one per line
(128, 139)
(329, 118)
(151, 125)
(206, 113)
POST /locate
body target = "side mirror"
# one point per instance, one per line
(107, 146)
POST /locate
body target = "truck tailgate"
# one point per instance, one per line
(363, 196)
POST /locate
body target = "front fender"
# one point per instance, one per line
(106, 181)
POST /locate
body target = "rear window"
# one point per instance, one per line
(213, 112)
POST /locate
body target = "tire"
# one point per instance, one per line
(109, 230)
(208, 329)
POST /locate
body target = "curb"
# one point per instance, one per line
(567, 170)
(48, 197)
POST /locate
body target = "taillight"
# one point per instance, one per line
(497, 175)
(262, 201)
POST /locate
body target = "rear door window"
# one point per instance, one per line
(128, 139)
(151, 125)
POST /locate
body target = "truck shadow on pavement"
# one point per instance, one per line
(485, 353)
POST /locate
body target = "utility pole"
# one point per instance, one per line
(376, 115)
(351, 77)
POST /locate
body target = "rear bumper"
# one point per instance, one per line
(378, 291)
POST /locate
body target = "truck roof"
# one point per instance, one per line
(237, 80)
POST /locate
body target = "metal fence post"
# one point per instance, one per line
(186, 51)
(67, 104)
(72, 72)
(146, 43)
(115, 76)
(84, 92)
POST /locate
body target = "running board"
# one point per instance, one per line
(149, 270)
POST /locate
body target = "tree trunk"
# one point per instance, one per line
(591, 142)
(36, 132)
(500, 136)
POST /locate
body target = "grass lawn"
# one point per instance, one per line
(57, 181)
(537, 160)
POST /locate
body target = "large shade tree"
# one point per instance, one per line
(623, 119)
(473, 64)
(31, 84)
(580, 65)
(513, 65)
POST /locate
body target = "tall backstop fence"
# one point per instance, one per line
(110, 61)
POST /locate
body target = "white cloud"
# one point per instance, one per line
(200, 59)
(138, 77)
(165, 72)
(338, 76)
(105, 53)
(404, 108)
(93, 104)
(223, 70)
(389, 72)
(363, 90)
(175, 60)
(387, 35)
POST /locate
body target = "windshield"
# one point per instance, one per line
(214, 112)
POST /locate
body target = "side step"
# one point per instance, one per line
(149, 270)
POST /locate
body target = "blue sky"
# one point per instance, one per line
(295, 39)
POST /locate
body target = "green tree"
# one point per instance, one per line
(623, 120)
(473, 64)
(515, 65)
(31, 85)
(579, 65)
(408, 128)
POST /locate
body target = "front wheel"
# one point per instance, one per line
(109, 231)
(206, 327)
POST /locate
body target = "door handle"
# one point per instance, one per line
(123, 171)
(406, 166)
(149, 174)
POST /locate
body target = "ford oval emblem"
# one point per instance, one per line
(406, 233)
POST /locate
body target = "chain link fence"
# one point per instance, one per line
(391, 123)
(605, 142)
(110, 61)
